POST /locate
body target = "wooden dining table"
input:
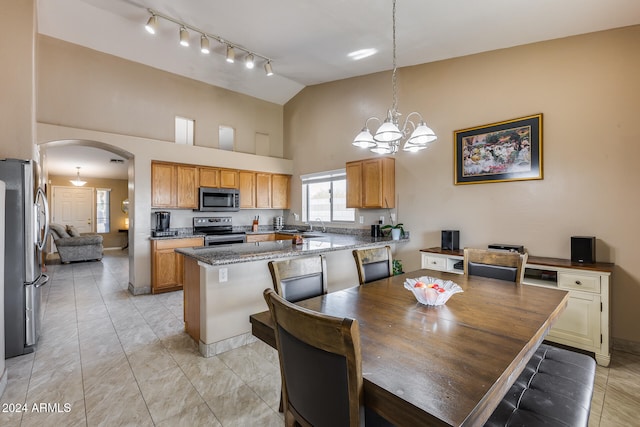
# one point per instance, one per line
(439, 365)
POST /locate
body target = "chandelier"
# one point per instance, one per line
(78, 182)
(389, 135)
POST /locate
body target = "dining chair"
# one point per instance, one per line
(321, 367)
(373, 263)
(507, 266)
(296, 279)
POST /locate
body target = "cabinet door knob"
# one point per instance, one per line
(578, 282)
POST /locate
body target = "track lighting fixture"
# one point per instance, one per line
(248, 61)
(268, 69)
(231, 54)
(152, 24)
(205, 45)
(184, 37)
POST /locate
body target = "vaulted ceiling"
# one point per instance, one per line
(309, 41)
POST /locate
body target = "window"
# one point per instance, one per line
(103, 202)
(184, 130)
(324, 196)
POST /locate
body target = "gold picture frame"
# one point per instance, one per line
(510, 150)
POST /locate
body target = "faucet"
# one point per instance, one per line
(324, 229)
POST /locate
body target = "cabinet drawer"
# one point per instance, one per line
(435, 263)
(580, 282)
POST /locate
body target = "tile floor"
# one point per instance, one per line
(112, 359)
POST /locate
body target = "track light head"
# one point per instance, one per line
(152, 24)
(231, 54)
(184, 37)
(204, 44)
(268, 69)
(248, 61)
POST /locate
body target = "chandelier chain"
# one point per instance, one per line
(393, 74)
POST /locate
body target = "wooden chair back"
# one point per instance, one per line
(373, 263)
(296, 279)
(507, 266)
(320, 364)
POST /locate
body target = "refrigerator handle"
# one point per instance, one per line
(42, 280)
(45, 204)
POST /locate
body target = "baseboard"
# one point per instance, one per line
(626, 346)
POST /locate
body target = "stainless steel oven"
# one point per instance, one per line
(218, 231)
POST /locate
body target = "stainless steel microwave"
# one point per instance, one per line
(218, 199)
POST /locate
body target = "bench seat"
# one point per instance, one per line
(554, 389)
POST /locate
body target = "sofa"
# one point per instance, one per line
(74, 246)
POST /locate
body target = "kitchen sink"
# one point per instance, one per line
(310, 235)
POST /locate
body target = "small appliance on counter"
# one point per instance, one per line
(163, 224)
(278, 223)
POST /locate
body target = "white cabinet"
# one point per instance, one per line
(585, 323)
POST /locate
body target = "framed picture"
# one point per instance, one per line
(499, 152)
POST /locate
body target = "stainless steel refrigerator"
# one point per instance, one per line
(26, 229)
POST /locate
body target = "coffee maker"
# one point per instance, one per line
(163, 221)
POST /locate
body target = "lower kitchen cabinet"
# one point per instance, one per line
(265, 237)
(586, 321)
(167, 265)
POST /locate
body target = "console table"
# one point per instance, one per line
(585, 324)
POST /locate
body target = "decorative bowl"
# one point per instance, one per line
(435, 292)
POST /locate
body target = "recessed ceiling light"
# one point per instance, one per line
(362, 53)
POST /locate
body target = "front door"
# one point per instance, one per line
(73, 206)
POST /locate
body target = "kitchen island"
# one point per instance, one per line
(223, 285)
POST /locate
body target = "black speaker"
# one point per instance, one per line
(583, 249)
(450, 240)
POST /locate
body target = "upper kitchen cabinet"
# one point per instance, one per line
(264, 190)
(163, 185)
(187, 189)
(247, 182)
(280, 188)
(229, 178)
(209, 177)
(218, 178)
(371, 183)
(174, 186)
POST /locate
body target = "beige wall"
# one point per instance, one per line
(89, 98)
(118, 193)
(17, 107)
(86, 89)
(586, 87)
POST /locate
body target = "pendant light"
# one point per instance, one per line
(78, 182)
(387, 138)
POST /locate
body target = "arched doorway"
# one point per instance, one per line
(96, 161)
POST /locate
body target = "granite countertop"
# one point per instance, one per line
(247, 252)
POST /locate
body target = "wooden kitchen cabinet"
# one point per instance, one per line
(371, 183)
(209, 177)
(167, 265)
(163, 185)
(218, 178)
(265, 237)
(280, 188)
(229, 178)
(186, 187)
(247, 181)
(263, 190)
(174, 186)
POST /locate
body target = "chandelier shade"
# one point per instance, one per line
(388, 137)
(78, 182)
